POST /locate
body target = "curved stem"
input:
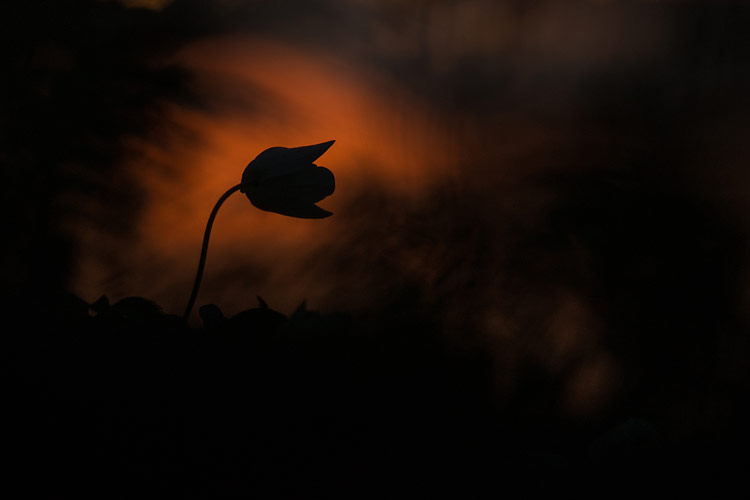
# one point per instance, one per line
(204, 250)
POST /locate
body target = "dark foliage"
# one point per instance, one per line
(121, 399)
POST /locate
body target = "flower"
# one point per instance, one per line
(281, 180)
(287, 182)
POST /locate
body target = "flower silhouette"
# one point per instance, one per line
(280, 180)
(286, 181)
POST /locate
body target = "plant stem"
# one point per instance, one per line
(204, 250)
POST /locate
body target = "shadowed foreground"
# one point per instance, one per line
(123, 400)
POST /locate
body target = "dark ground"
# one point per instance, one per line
(123, 401)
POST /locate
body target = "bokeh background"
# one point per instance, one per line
(562, 183)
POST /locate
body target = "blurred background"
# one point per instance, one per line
(563, 183)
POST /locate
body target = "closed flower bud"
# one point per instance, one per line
(287, 182)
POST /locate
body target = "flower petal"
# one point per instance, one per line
(303, 211)
(279, 161)
(294, 195)
(308, 154)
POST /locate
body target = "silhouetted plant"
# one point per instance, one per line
(280, 180)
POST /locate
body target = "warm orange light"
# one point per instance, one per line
(281, 96)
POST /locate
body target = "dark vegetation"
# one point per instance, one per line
(123, 400)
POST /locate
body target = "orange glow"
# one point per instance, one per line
(296, 98)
